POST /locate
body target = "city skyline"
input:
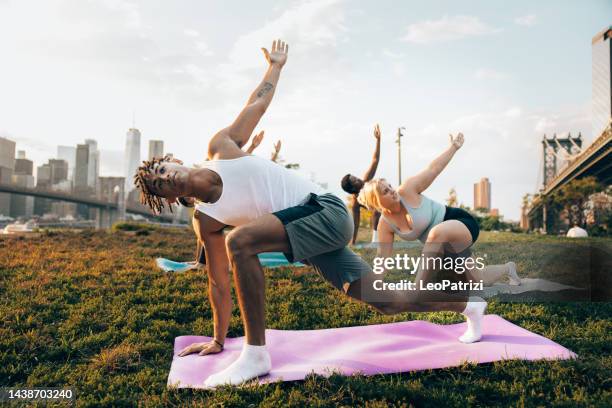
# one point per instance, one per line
(503, 78)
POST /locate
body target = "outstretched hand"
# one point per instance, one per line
(456, 141)
(257, 139)
(377, 131)
(278, 55)
(209, 347)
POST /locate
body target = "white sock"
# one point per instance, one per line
(474, 311)
(254, 361)
(512, 275)
(374, 236)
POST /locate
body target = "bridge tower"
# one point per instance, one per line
(112, 190)
(555, 149)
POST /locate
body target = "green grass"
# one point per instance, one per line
(90, 310)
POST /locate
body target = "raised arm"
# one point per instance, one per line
(369, 174)
(255, 142)
(238, 133)
(277, 147)
(422, 180)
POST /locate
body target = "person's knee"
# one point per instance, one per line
(437, 234)
(238, 243)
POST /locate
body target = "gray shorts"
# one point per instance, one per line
(319, 231)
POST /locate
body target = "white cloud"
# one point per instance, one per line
(304, 27)
(488, 73)
(190, 32)
(513, 112)
(527, 20)
(446, 29)
(204, 49)
(391, 54)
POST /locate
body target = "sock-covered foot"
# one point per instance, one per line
(474, 312)
(254, 361)
(512, 275)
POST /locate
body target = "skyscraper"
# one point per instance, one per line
(602, 81)
(23, 165)
(132, 157)
(81, 167)
(59, 170)
(7, 166)
(68, 153)
(482, 194)
(22, 206)
(156, 148)
(93, 166)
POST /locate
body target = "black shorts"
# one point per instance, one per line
(459, 214)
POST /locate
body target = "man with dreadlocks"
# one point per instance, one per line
(200, 254)
(272, 209)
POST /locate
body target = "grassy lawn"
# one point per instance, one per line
(90, 310)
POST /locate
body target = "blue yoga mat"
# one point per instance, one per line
(267, 259)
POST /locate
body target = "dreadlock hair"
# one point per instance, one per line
(147, 197)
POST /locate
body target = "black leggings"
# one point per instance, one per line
(459, 214)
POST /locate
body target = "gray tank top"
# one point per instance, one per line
(429, 214)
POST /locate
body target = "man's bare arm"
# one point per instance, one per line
(219, 286)
(210, 233)
(356, 208)
(369, 174)
(238, 132)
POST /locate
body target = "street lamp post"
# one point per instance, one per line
(399, 154)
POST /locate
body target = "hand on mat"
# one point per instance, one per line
(278, 55)
(457, 141)
(209, 347)
(377, 131)
(257, 139)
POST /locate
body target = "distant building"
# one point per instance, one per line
(23, 165)
(68, 154)
(43, 180)
(7, 167)
(22, 206)
(51, 175)
(482, 194)
(59, 171)
(93, 165)
(601, 47)
(156, 148)
(132, 157)
(494, 212)
(81, 167)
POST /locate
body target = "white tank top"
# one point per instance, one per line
(252, 187)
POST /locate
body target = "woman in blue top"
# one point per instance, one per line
(411, 215)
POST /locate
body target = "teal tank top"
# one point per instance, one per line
(429, 214)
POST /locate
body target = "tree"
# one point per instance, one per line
(573, 197)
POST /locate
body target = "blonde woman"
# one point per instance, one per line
(408, 213)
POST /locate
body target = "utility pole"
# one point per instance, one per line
(399, 154)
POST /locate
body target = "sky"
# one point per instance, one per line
(503, 73)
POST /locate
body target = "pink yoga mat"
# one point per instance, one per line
(375, 349)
